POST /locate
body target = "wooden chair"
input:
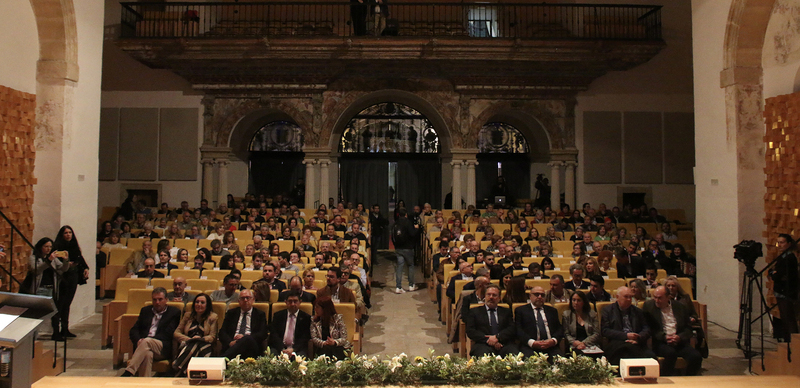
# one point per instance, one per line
(544, 283)
(242, 235)
(185, 273)
(117, 307)
(115, 268)
(306, 307)
(285, 245)
(188, 244)
(166, 283)
(348, 311)
(203, 284)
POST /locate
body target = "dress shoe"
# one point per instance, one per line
(68, 334)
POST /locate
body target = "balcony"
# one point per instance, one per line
(552, 46)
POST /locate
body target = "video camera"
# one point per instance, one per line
(747, 252)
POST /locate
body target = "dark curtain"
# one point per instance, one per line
(365, 181)
(273, 173)
(419, 181)
(516, 171)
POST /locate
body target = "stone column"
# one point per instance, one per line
(456, 183)
(533, 183)
(310, 182)
(208, 178)
(222, 187)
(471, 189)
(555, 185)
(569, 184)
(324, 180)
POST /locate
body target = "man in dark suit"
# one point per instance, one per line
(244, 329)
(672, 330)
(654, 257)
(476, 297)
(538, 326)
(296, 285)
(597, 292)
(625, 328)
(290, 329)
(152, 334)
(491, 327)
(577, 283)
(269, 281)
(465, 270)
(149, 271)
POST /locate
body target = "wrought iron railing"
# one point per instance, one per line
(336, 19)
(10, 252)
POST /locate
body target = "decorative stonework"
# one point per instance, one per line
(222, 114)
(555, 116)
(782, 40)
(17, 118)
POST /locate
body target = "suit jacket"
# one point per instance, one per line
(345, 295)
(306, 297)
(258, 326)
(637, 268)
(612, 327)
(302, 331)
(478, 327)
(210, 328)
(591, 325)
(571, 286)
(164, 331)
(156, 274)
(683, 324)
(650, 259)
(451, 287)
(526, 323)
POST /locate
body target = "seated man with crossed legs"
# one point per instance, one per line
(244, 329)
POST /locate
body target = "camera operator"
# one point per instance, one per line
(784, 284)
(543, 196)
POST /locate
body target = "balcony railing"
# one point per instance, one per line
(336, 19)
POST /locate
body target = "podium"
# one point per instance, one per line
(18, 334)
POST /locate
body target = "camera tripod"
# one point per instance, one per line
(752, 282)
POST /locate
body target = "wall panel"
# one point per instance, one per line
(109, 138)
(679, 147)
(602, 144)
(642, 145)
(178, 149)
(138, 139)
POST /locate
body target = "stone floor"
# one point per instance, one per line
(398, 323)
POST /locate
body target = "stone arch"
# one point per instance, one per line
(246, 127)
(538, 122)
(533, 131)
(232, 118)
(393, 95)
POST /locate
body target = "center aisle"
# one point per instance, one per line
(405, 323)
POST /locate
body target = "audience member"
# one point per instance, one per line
(538, 326)
(558, 293)
(597, 292)
(581, 325)
(577, 283)
(290, 329)
(244, 329)
(625, 328)
(196, 333)
(152, 334)
(230, 291)
(672, 331)
(491, 327)
(328, 330)
(178, 293)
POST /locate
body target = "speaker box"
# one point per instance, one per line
(206, 369)
(638, 368)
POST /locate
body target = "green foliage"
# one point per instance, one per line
(401, 370)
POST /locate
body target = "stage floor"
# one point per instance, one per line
(688, 382)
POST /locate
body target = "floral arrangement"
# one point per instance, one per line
(402, 370)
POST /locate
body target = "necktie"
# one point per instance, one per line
(493, 321)
(540, 324)
(288, 338)
(243, 325)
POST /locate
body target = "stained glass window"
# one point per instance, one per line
(501, 138)
(389, 128)
(279, 136)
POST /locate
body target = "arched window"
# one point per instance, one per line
(501, 138)
(278, 136)
(389, 128)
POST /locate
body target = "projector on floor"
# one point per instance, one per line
(206, 369)
(638, 368)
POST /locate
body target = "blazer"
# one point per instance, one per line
(258, 326)
(683, 325)
(338, 332)
(637, 268)
(478, 327)
(571, 286)
(526, 323)
(306, 297)
(612, 327)
(451, 287)
(591, 325)
(345, 295)
(209, 328)
(164, 331)
(302, 331)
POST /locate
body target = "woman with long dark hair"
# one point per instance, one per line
(328, 331)
(196, 333)
(76, 274)
(581, 325)
(45, 271)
